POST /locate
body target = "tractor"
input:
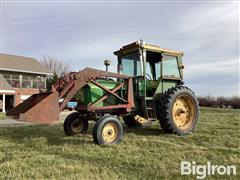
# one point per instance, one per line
(147, 87)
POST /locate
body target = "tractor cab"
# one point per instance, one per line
(154, 69)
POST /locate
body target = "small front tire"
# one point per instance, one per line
(108, 130)
(75, 123)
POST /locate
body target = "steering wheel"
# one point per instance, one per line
(149, 77)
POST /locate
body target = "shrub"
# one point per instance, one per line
(220, 102)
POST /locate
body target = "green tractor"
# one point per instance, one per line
(147, 87)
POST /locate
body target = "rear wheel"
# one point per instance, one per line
(75, 123)
(178, 110)
(108, 130)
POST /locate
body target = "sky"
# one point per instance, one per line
(84, 34)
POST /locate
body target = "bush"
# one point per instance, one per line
(220, 102)
(51, 81)
(235, 102)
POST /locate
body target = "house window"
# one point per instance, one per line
(26, 81)
(8, 77)
(39, 82)
(12, 79)
(15, 81)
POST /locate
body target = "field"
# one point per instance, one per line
(2, 116)
(44, 152)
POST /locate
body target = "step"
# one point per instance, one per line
(148, 98)
(147, 123)
(152, 119)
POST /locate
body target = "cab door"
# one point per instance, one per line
(131, 66)
(152, 72)
(171, 74)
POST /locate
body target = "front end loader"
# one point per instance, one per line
(147, 87)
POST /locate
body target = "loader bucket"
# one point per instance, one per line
(39, 108)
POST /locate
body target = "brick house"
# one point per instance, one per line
(20, 77)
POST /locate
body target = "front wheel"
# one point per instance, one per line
(75, 124)
(178, 110)
(108, 130)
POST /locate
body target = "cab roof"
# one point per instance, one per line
(140, 44)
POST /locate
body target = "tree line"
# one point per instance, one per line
(220, 102)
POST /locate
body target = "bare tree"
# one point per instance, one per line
(54, 65)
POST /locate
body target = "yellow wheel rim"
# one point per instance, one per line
(109, 132)
(183, 111)
(76, 125)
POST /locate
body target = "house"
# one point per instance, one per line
(20, 77)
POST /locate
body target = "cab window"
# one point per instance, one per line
(149, 70)
(170, 66)
(158, 70)
(131, 64)
(153, 65)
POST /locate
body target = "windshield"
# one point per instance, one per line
(131, 64)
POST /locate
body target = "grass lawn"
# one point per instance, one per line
(2, 116)
(44, 152)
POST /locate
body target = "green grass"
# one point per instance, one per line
(44, 152)
(2, 116)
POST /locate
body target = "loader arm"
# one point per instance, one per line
(74, 82)
(45, 107)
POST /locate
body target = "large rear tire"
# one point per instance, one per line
(178, 110)
(75, 123)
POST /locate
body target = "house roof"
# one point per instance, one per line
(4, 85)
(136, 45)
(22, 64)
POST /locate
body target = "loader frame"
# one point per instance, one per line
(36, 108)
(75, 81)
